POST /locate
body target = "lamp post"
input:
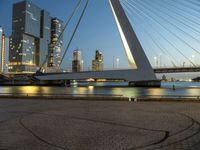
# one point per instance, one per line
(160, 59)
(156, 61)
(193, 58)
(117, 60)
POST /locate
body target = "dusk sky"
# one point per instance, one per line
(98, 29)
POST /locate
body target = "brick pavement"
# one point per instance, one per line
(98, 125)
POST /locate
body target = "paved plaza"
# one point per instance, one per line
(98, 125)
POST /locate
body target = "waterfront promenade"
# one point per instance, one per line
(98, 125)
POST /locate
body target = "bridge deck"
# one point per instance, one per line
(177, 69)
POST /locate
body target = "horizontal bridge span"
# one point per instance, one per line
(128, 75)
(177, 70)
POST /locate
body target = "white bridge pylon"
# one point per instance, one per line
(141, 69)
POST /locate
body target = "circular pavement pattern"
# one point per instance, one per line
(96, 125)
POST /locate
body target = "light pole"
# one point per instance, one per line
(156, 61)
(193, 59)
(160, 58)
(117, 63)
(113, 62)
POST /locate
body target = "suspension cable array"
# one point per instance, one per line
(170, 22)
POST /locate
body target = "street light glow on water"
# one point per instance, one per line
(182, 89)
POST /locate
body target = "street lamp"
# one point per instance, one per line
(193, 57)
(156, 60)
(160, 58)
(117, 63)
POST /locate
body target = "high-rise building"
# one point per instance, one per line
(6, 55)
(30, 37)
(97, 63)
(56, 42)
(77, 62)
(4, 51)
(1, 34)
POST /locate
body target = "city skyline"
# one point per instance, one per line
(89, 38)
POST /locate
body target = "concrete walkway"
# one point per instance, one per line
(98, 125)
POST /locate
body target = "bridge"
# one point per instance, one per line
(141, 72)
(118, 75)
(177, 69)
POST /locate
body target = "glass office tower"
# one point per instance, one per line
(56, 42)
(30, 37)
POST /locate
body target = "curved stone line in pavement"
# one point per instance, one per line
(113, 124)
(185, 138)
(36, 136)
(166, 133)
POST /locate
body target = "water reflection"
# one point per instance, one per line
(29, 89)
(182, 89)
(155, 91)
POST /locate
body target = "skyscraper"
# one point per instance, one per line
(77, 62)
(4, 52)
(2, 48)
(97, 63)
(30, 37)
(6, 55)
(1, 34)
(56, 42)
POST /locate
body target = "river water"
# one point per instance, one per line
(166, 90)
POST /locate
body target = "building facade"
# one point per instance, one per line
(56, 42)
(29, 42)
(6, 55)
(77, 62)
(1, 34)
(2, 48)
(97, 63)
(4, 52)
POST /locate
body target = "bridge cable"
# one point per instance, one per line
(190, 7)
(195, 50)
(153, 19)
(144, 14)
(148, 8)
(128, 10)
(59, 38)
(178, 20)
(193, 2)
(151, 37)
(183, 18)
(74, 32)
(182, 12)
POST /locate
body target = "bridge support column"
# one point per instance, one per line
(153, 83)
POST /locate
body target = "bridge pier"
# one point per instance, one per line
(152, 83)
